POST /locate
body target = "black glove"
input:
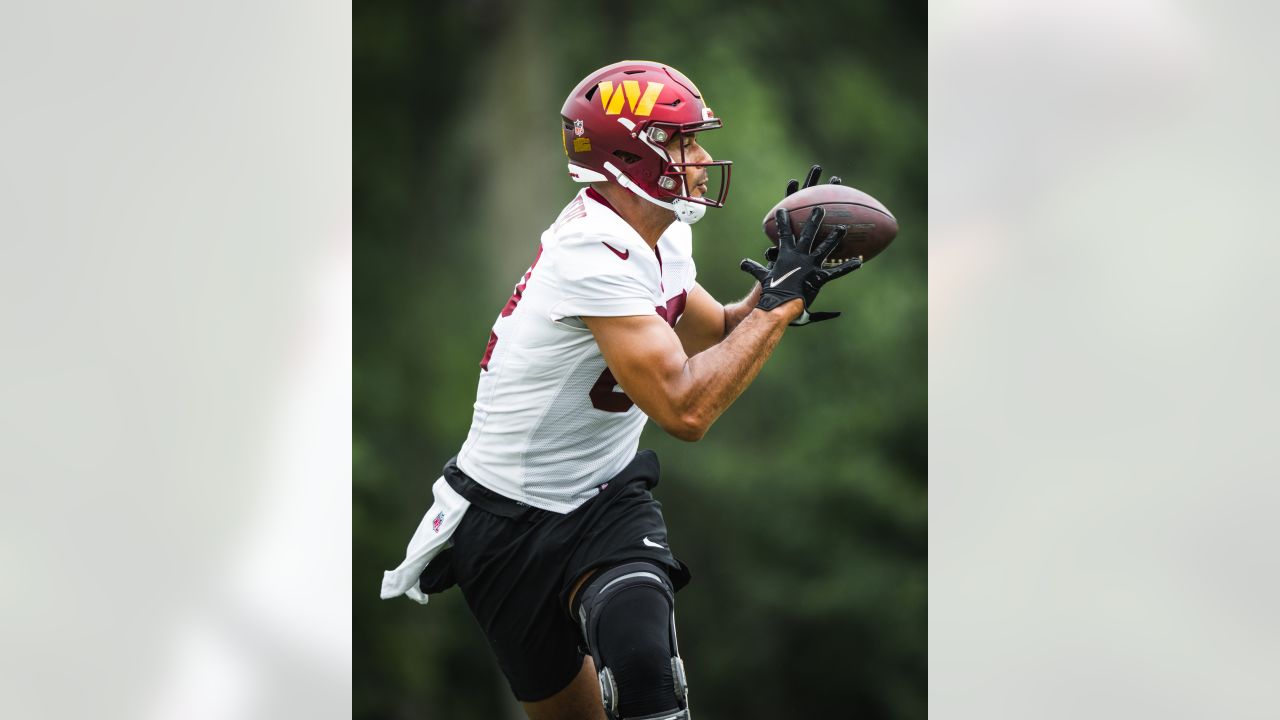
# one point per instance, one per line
(806, 317)
(771, 254)
(810, 180)
(798, 271)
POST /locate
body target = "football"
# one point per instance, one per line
(871, 226)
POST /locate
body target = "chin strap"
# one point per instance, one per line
(686, 212)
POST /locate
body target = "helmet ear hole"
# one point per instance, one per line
(626, 157)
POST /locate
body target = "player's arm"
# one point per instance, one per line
(683, 394)
(706, 322)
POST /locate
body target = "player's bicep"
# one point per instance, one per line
(702, 324)
(647, 360)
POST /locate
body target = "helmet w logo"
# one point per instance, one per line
(639, 105)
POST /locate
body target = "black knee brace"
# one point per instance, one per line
(627, 616)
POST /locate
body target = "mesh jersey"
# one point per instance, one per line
(550, 423)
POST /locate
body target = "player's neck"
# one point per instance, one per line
(647, 219)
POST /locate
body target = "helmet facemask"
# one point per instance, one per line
(673, 179)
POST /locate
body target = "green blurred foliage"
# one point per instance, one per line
(803, 511)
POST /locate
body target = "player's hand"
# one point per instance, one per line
(815, 171)
(771, 254)
(810, 180)
(797, 272)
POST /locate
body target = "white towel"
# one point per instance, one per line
(432, 536)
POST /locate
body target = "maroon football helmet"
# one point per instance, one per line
(616, 125)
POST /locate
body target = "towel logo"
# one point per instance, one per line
(435, 524)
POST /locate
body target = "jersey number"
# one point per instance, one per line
(509, 308)
(603, 395)
(604, 398)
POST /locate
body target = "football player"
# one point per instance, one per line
(545, 518)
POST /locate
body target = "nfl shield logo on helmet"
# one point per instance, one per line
(435, 524)
(578, 130)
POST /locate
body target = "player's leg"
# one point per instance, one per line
(627, 616)
(579, 701)
(511, 578)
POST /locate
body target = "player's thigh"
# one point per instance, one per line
(577, 585)
(579, 701)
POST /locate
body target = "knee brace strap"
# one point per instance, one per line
(627, 617)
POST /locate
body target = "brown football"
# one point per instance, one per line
(871, 226)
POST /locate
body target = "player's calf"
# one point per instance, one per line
(627, 615)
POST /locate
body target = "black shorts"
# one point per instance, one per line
(517, 564)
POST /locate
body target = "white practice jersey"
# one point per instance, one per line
(550, 422)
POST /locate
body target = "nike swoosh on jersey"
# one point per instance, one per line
(651, 543)
(624, 254)
(774, 282)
